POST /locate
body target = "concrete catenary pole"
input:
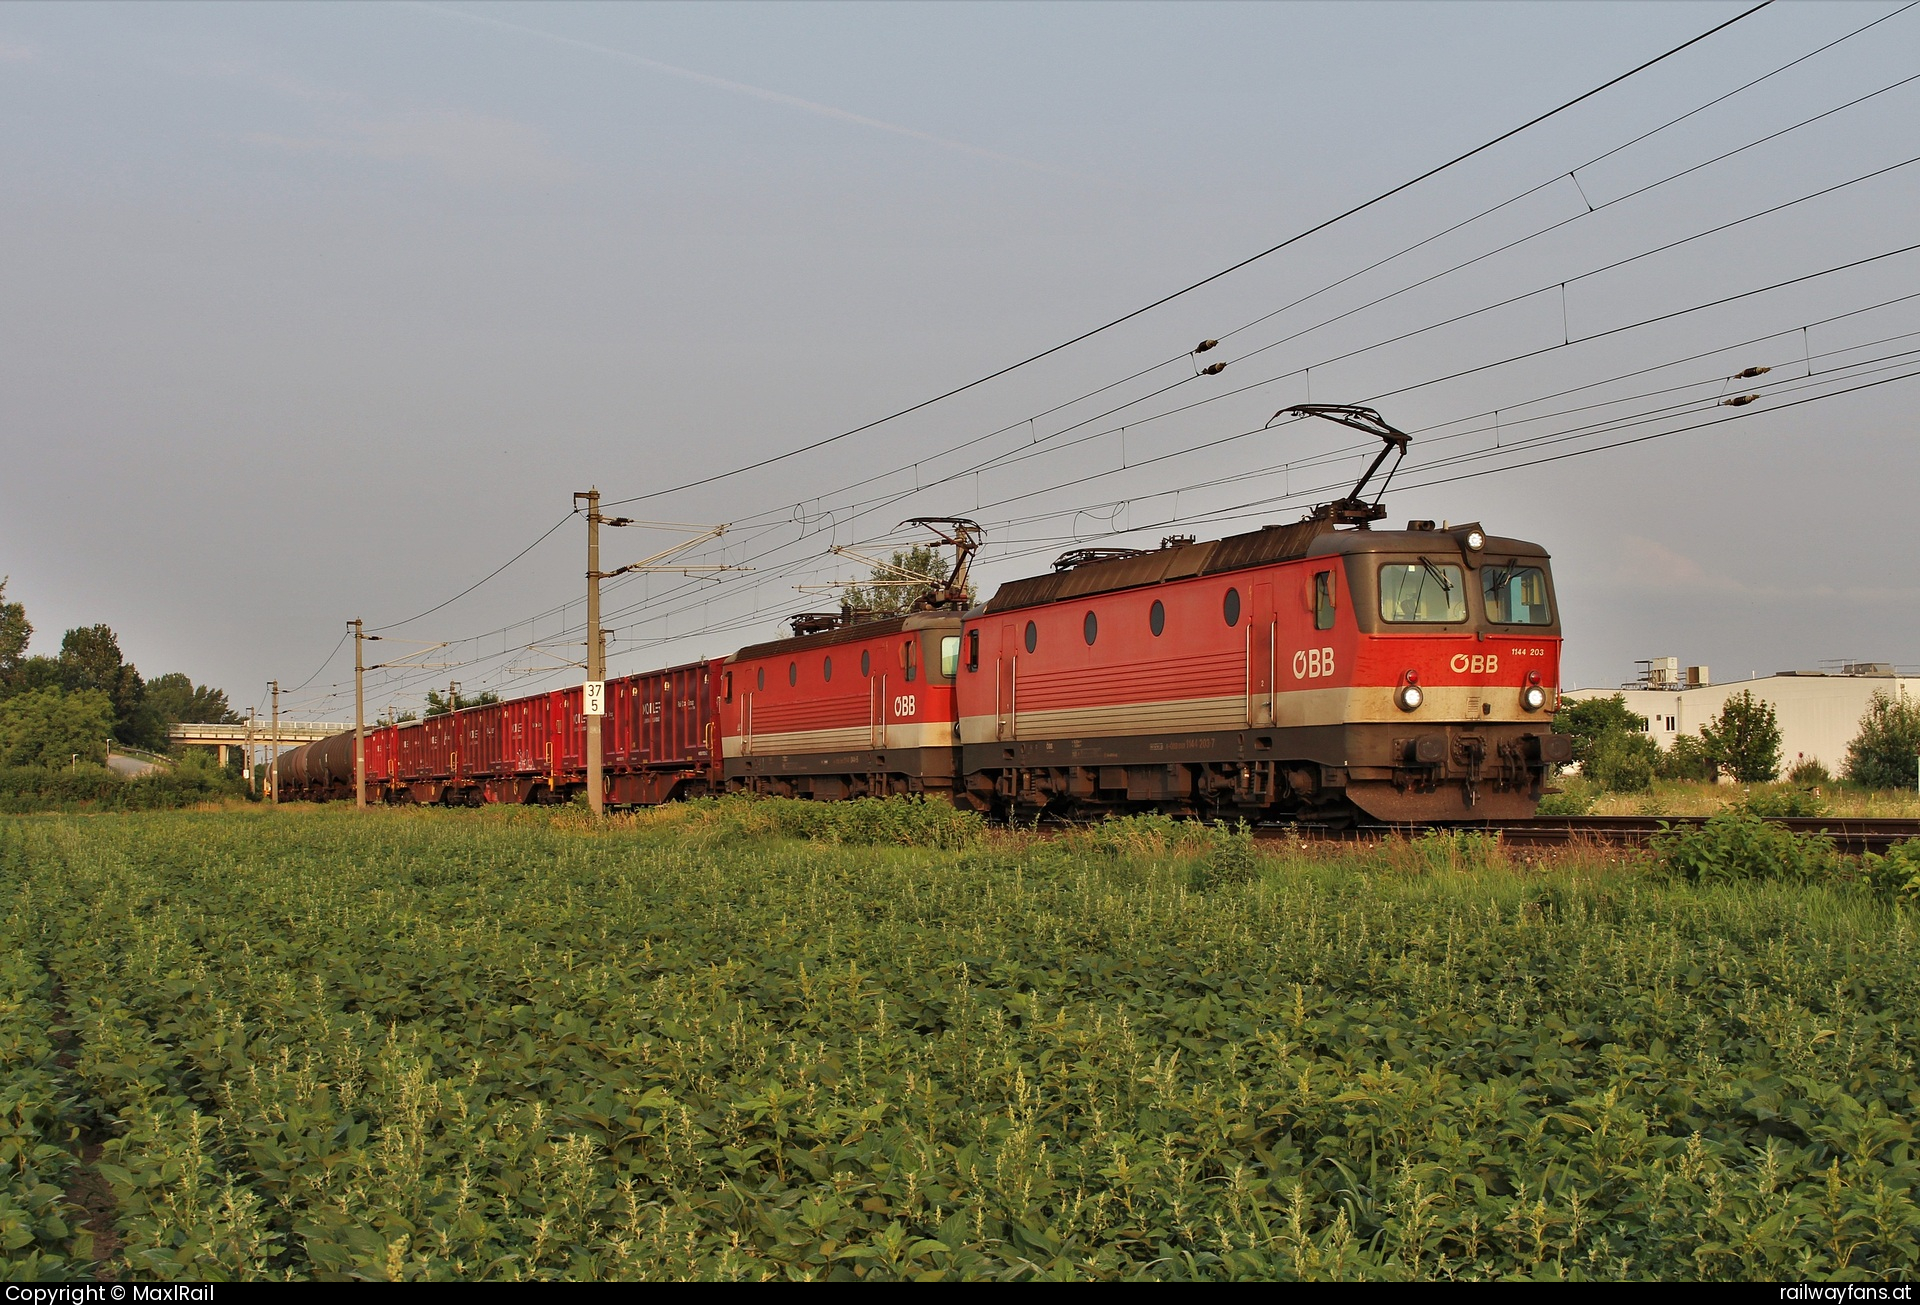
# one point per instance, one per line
(273, 762)
(359, 719)
(596, 664)
(250, 783)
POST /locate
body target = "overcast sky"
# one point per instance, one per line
(323, 311)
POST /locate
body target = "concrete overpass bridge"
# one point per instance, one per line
(258, 734)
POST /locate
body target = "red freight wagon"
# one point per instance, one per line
(857, 710)
(659, 737)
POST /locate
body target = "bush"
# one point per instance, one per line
(47, 727)
(1786, 802)
(1744, 739)
(1885, 752)
(1575, 798)
(94, 787)
(1687, 759)
(1590, 719)
(1897, 872)
(1738, 845)
(1622, 762)
(897, 821)
(1810, 774)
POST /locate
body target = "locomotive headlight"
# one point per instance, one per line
(1533, 697)
(1476, 541)
(1408, 696)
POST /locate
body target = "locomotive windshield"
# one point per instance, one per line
(1516, 595)
(1422, 592)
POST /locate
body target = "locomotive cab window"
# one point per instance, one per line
(973, 650)
(1422, 592)
(1323, 600)
(1515, 594)
(949, 655)
(910, 652)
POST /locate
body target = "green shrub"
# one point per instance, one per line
(1622, 762)
(1897, 872)
(48, 727)
(1886, 752)
(1590, 719)
(1737, 845)
(1810, 774)
(1575, 797)
(895, 821)
(1786, 802)
(1744, 739)
(1687, 759)
(92, 787)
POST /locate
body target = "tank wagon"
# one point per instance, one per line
(1325, 671)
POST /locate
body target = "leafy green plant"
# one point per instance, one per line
(1622, 762)
(1897, 871)
(1687, 759)
(1738, 845)
(1744, 739)
(425, 1046)
(1786, 802)
(1810, 773)
(1575, 797)
(1590, 719)
(1886, 752)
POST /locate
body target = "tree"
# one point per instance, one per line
(1744, 739)
(437, 703)
(180, 701)
(1687, 759)
(15, 633)
(46, 727)
(1622, 760)
(887, 599)
(1886, 751)
(90, 659)
(1588, 719)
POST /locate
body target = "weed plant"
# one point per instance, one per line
(747, 1040)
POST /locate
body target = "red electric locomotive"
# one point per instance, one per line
(1323, 671)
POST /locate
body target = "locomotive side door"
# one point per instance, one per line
(1262, 629)
(1006, 684)
(877, 710)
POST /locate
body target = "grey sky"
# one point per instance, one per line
(314, 312)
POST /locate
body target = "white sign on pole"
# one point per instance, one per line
(596, 697)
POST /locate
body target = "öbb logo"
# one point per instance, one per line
(1312, 663)
(1476, 664)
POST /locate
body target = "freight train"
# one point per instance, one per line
(1324, 671)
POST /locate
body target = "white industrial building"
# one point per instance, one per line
(1819, 711)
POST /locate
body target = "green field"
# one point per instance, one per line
(718, 1043)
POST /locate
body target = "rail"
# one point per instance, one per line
(1852, 835)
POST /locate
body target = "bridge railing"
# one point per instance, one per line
(298, 731)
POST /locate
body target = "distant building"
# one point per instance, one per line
(1819, 711)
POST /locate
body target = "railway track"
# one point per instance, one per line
(1852, 835)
